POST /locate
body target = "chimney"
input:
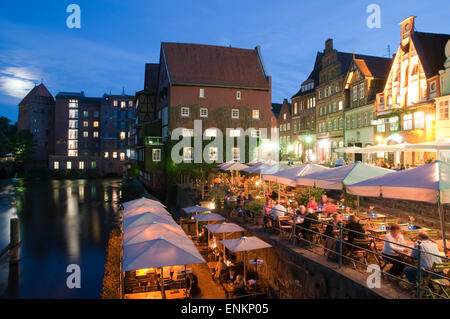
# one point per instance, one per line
(329, 45)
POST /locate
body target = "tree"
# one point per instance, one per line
(22, 147)
(7, 130)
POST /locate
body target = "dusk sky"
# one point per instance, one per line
(117, 38)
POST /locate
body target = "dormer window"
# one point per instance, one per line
(238, 95)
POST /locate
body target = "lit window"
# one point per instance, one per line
(213, 154)
(55, 165)
(185, 111)
(340, 106)
(73, 104)
(419, 120)
(235, 132)
(187, 153)
(85, 123)
(115, 102)
(85, 134)
(81, 165)
(72, 144)
(69, 165)
(238, 95)
(73, 124)
(255, 114)
(381, 128)
(156, 155)
(123, 104)
(361, 91)
(114, 154)
(95, 134)
(235, 113)
(73, 134)
(122, 135)
(202, 93)
(236, 153)
(73, 114)
(355, 93)
(407, 122)
(443, 110)
(93, 164)
(122, 156)
(106, 154)
(95, 123)
(72, 153)
(130, 103)
(257, 133)
(203, 112)
(211, 132)
(85, 113)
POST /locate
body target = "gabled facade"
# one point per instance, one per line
(304, 116)
(365, 78)
(443, 105)
(406, 106)
(284, 127)
(36, 115)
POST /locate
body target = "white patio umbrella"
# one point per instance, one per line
(146, 218)
(427, 183)
(157, 253)
(211, 217)
(288, 176)
(254, 162)
(338, 177)
(224, 228)
(235, 167)
(255, 168)
(142, 200)
(244, 244)
(146, 232)
(144, 208)
(223, 165)
(348, 150)
(195, 209)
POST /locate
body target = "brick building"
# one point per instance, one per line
(36, 114)
(92, 132)
(222, 87)
(284, 127)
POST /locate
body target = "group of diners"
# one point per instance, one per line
(312, 218)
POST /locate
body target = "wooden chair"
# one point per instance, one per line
(284, 226)
(441, 285)
(359, 253)
(315, 236)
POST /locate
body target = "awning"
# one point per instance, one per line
(142, 200)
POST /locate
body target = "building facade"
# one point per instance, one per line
(91, 133)
(304, 117)
(365, 78)
(36, 114)
(285, 131)
(225, 90)
(406, 107)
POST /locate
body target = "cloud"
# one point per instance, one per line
(17, 81)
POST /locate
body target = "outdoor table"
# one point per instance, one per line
(373, 216)
(145, 295)
(175, 294)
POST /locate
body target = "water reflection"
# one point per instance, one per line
(62, 222)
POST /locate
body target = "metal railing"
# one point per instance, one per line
(317, 238)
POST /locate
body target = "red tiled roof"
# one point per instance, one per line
(39, 90)
(214, 65)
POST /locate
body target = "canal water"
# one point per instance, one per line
(62, 222)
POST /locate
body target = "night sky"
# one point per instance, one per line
(117, 38)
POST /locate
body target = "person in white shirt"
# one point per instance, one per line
(428, 257)
(390, 249)
(278, 211)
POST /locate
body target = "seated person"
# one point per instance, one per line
(220, 269)
(333, 225)
(390, 249)
(238, 283)
(312, 204)
(429, 256)
(354, 225)
(277, 211)
(323, 201)
(308, 219)
(300, 212)
(329, 208)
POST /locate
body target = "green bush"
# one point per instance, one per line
(303, 194)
